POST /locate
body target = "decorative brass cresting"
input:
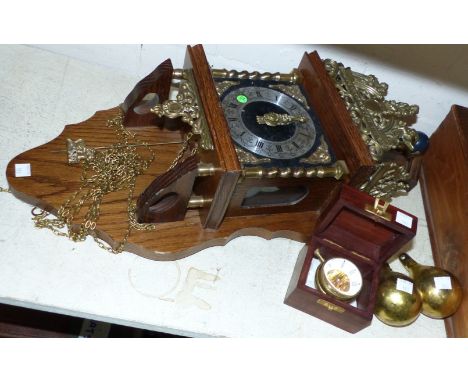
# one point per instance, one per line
(383, 126)
(382, 123)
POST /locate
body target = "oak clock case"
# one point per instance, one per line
(263, 140)
(195, 182)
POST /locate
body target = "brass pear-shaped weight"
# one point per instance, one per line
(440, 291)
(398, 302)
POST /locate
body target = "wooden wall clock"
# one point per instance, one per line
(233, 153)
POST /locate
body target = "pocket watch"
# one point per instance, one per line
(338, 277)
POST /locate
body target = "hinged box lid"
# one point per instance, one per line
(365, 225)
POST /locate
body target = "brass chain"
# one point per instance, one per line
(107, 171)
(183, 150)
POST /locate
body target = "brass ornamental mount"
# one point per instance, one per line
(383, 123)
(247, 158)
(77, 151)
(222, 86)
(388, 180)
(331, 307)
(320, 155)
(379, 209)
(383, 127)
(186, 106)
(276, 119)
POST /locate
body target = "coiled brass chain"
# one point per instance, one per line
(107, 171)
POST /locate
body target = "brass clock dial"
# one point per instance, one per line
(339, 278)
(269, 123)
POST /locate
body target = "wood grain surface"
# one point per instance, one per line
(226, 157)
(344, 136)
(53, 181)
(157, 83)
(444, 187)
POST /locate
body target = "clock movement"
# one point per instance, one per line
(196, 156)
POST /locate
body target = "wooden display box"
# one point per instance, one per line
(444, 188)
(348, 229)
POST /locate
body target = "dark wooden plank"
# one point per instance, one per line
(221, 136)
(137, 113)
(16, 322)
(444, 188)
(214, 113)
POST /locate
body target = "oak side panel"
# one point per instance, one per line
(158, 82)
(444, 188)
(345, 138)
(223, 145)
(213, 111)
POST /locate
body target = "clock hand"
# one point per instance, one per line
(276, 119)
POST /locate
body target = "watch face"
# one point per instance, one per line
(342, 277)
(269, 123)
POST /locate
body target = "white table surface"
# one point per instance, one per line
(233, 291)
